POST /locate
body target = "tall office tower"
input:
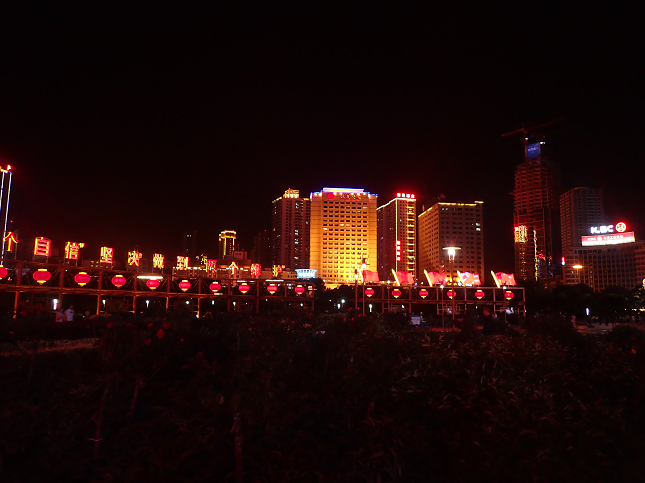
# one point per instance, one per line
(397, 236)
(451, 224)
(189, 247)
(226, 243)
(290, 230)
(343, 234)
(580, 208)
(535, 217)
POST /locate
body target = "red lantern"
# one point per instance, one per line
(369, 291)
(451, 293)
(118, 281)
(82, 278)
(3, 272)
(42, 275)
(423, 293)
(273, 288)
(299, 290)
(184, 285)
(244, 288)
(152, 284)
(215, 287)
(479, 294)
(396, 293)
(508, 295)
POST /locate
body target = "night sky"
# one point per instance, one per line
(127, 126)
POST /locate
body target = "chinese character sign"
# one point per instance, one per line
(211, 265)
(71, 250)
(182, 263)
(42, 247)
(107, 255)
(277, 270)
(157, 260)
(256, 270)
(134, 257)
(11, 240)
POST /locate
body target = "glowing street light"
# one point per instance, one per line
(452, 251)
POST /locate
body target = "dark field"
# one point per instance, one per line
(272, 398)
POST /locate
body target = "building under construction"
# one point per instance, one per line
(535, 217)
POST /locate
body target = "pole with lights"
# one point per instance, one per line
(5, 171)
(452, 251)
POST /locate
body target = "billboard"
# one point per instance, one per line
(609, 239)
(533, 151)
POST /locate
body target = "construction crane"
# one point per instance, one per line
(529, 132)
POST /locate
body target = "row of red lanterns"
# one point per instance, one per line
(423, 293)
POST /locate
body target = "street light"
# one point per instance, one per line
(452, 251)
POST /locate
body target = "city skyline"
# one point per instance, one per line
(130, 127)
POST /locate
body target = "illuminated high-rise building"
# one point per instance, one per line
(580, 208)
(290, 231)
(451, 224)
(226, 243)
(343, 234)
(397, 236)
(535, 216)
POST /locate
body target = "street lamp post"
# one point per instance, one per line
(452, 251)
(443, 309)
(363, 267)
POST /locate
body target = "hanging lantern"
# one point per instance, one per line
(451, 293)
(244, 288)
(42, 275)
(396, 293)
(152, 284)
(299, 290)
(118, 281)
(82, 278)
(215, 287)
(184, 285)
(508, 295)
(423, 293)
(273, 288)
(369, 291)
(3, 272)
(479, 294)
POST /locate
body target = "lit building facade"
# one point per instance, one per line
(226, 243)
(397, 236)
(343, 234)
(290, 230)
(535, 216)
(580, 208)
(451, 224)
(605, 266)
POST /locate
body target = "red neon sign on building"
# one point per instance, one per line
(71, 250)
(11, 240)
(157, 260)
(211, 265)
(42, 247)
(107, 255)
(182, 263)
(134, 257)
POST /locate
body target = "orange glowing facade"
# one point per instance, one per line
(226, 243)
(343, 234)
(397, 236)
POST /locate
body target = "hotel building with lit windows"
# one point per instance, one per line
(290, 218)
(397, 236)
(451, 224)
(226, 243)
(342, 234)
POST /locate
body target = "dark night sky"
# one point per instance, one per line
(128, 126)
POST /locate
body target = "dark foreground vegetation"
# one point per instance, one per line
(299, 397)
